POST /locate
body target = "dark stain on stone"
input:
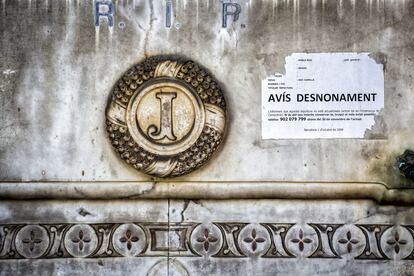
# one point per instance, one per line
(405, 164)
(368, 153)
(83, 212)
(382, 166)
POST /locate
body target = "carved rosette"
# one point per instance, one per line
(166, 117)
(397, 243)
(349, 241)
(32, 241)
(129, 240)
(254, 240)
(301, 240)
(81, 240)
(206, 239)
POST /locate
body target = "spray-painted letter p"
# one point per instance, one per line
(233, 9)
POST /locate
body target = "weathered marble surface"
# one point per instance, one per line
(56, 74)
(277, 227)
(57, 71)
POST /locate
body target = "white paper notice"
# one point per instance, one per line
(324, 95)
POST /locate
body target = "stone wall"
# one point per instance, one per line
(70, 205)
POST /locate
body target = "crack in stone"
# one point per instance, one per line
(141, 193)
(186, 203)
(376, 212)
(80, 192)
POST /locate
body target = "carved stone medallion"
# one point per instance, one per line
(166, 117)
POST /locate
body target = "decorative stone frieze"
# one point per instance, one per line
(216, 240)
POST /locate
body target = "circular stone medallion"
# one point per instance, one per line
(32, 241)
(166, 117)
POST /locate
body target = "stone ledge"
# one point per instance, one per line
(207, 190)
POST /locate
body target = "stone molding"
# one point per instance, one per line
(206, 190)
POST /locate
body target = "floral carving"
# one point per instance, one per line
(128, 238)
(396, 241)
(32, 241)
(348, 241)
(301, 240)
(254, 240)
(206, 239)
(81, 240)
